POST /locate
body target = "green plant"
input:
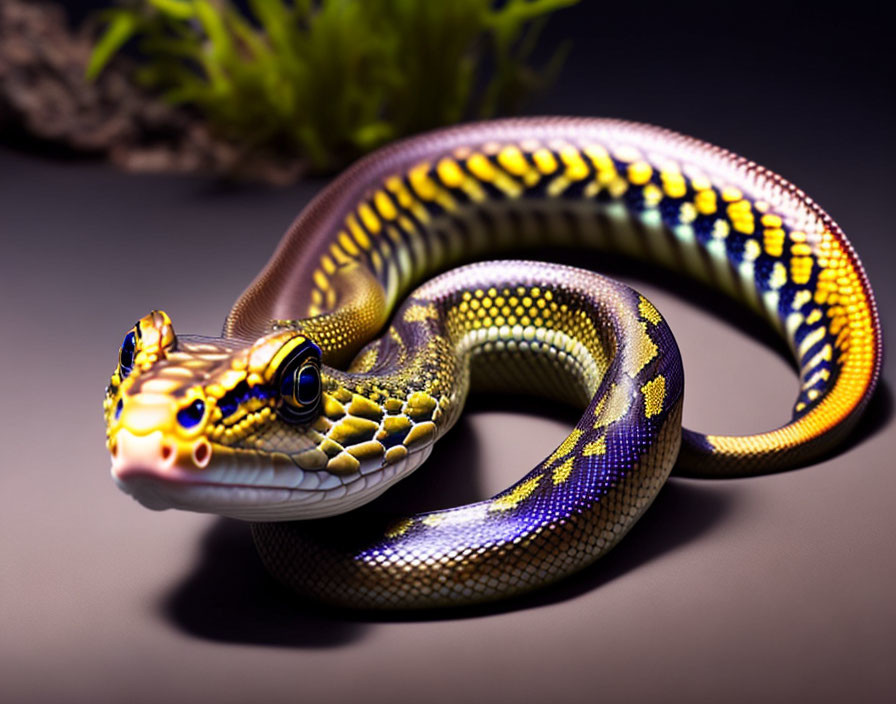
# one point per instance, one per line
(329, 79)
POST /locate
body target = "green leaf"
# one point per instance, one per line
(327, 80)
(213, 24)
(249, 37)
(122, 26)
(275, 20)
(372, 135)
(176, 9)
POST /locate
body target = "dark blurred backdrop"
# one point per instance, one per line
(800, 69)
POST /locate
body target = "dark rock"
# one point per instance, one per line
(46, 101)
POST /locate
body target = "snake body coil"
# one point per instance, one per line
(263, 424)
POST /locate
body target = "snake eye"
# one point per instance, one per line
(306, 388)
(298, 382)
(191, 415)
(126, 354)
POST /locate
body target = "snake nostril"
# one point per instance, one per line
(202, 453)
(167, 451)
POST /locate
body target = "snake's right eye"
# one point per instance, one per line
(126, 354)
(299, 384)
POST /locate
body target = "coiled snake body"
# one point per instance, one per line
(298, 411)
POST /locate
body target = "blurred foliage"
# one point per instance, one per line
(329, 79)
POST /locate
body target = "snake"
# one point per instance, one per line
(395, 292)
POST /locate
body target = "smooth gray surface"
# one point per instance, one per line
(776, 588)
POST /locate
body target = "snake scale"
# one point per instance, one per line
(334, 377)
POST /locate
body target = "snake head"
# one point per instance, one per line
(211, 424)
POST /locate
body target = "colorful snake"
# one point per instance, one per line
(299, 411)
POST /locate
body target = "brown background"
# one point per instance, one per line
(779, 587)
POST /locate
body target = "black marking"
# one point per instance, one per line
(670, 211)
(763, 268)
(735, 244)
(633, 198)
(494, 193)
(816, 348)
(703, 226)
(393, 439)
(575, 191)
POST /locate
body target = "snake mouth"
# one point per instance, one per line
(243, 484)
(243, 501)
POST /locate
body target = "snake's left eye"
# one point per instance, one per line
(126, 354)
(191, 415)
(299, 384)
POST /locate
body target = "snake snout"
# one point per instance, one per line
(154, 454)
(148, 439)
(141, 454)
